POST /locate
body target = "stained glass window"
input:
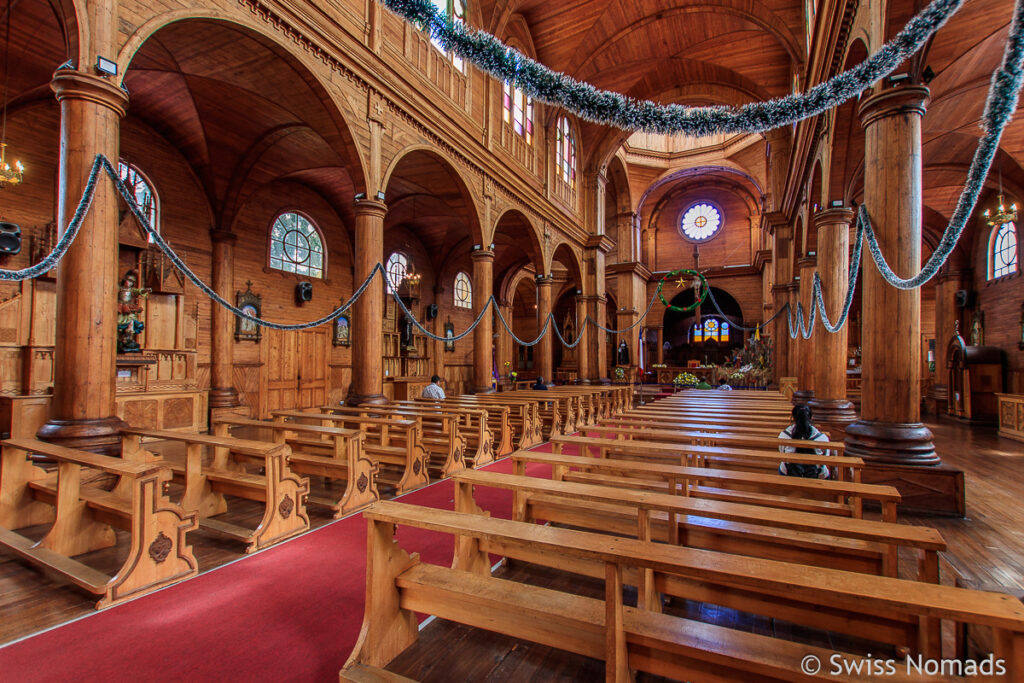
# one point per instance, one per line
(518, 111)
(463, 291)
(565, 151)
(710, 330)
(141, 190)
(1003, 251)
(456, 9)
(296, 246)
(701, 221)
(398, 267)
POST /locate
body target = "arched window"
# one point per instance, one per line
(518, 110)
(698, 333)
(143, 192)
(701, 221)
(711, 330)
(565, 152)
(456, 9)
(398, 268)
(296, 246)
(723, 332)
(463, 291)
(1002, 251)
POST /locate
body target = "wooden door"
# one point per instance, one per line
(313, 352)
(280, 371)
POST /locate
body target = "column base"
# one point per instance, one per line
(223, 397)
(366, 399)
(802, 396)
(101, 435)
(833, 411)
(482, 390)
(898, 443)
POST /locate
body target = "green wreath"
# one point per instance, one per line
(684, 271)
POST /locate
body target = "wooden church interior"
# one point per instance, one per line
(288, 150)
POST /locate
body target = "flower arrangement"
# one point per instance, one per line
(686, 379)
(620, 374)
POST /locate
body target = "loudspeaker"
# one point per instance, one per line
(964, 298)
(304, 292)
(431, 311)
(10, 238)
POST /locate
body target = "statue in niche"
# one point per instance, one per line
(405, 334)
(978, 328)
(569, 334)
(622, 356)
(129, 312)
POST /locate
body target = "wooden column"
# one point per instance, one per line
(890, 428)
(222, 391)
(780, 333)
(368, 311)
(829, 403)
(660, 352)
(504, 344)
(583, 359)
(82, 411)
(793, 348)
(544, 358)
(483, 336)
(805, 347)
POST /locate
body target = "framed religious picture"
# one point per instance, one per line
(342, 331)
(449, 335)
(251, 304)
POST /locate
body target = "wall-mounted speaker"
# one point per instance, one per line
(964, 298)
(10, 238)
(431, 311)
(303, 292)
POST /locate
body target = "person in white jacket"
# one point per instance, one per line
(803, 429)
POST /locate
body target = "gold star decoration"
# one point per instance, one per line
(680, 283)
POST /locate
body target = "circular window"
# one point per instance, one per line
(701, 221)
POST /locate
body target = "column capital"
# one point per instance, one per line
(831, 218)
(601, 242)
(75, 85)
(807, 262)
(545, 281)
(218, 236)
(370, 207)
(484, 255)
(910, 99)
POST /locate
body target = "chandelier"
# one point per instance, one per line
(8, 175)
(413, 279)
(1002, 215)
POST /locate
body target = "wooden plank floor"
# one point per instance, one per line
(988, 546)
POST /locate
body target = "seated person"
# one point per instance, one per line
(539, 385)
(434, 390)
(803, 429)
(723, 385)
(703, 384)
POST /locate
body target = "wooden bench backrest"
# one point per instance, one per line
(241, 446)
(104, 463)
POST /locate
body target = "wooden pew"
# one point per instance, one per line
(630, 429)
(695, 429)
(321, 451)
(496, 422)
(392, 443)
(882, 609)
(482, 444)
(523, 419)
(208, 481)
(861, 545)
(439, 434)
(557, 411)
(82, 516)
(774, 490)
(764, 455)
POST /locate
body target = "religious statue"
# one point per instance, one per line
(978, 328)
(405, 334)
(129, 310)
(622, 356)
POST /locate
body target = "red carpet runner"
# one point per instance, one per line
(290, 613)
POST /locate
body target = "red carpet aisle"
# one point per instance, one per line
(291, 613)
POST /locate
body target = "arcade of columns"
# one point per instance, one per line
(889, 429)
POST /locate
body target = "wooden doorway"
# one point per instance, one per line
(293, 372)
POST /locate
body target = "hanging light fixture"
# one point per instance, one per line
(8, 175)
(1002, 215)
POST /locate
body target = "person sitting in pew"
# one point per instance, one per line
(723, 385)
(802, 428)
(434, 390)
(539, 385)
